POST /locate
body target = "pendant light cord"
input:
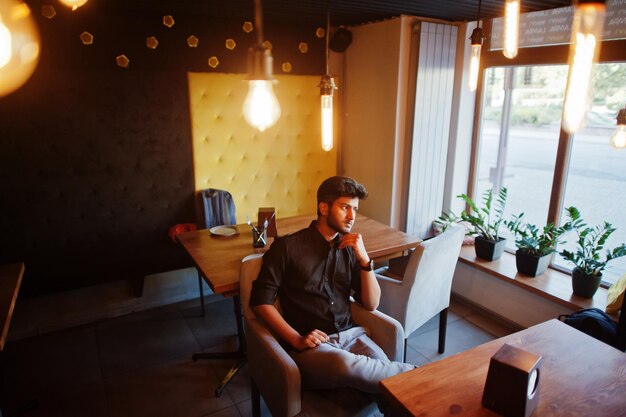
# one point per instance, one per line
(478, 18)
(327, 41)
(258, 21)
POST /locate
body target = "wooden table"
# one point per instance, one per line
(218, 260)
(579, 376)
(10, 281)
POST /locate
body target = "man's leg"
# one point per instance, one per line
(348, 359)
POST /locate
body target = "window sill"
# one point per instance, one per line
(552, 285)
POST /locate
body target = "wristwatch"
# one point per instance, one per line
(369, 266)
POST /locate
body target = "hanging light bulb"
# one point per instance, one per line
(618, 138)
(5, 44)
(511, 28)
(74, 4)
(19, 45)
(260, 108)
(327, 88)
(587, 25)
(476, 40)
(477, 44)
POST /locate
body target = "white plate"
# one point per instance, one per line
(224, 230)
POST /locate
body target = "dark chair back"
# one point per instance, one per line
(218, 207)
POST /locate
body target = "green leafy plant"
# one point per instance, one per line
(591, 240)
(531, 240)
(485, 221)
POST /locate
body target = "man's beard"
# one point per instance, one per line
(338, 227)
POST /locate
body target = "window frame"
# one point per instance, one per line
(611, 51)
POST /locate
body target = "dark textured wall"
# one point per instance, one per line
(96, 160)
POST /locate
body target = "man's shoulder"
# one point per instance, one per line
(295, 237)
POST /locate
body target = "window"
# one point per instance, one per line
(520, 130)
(520, 143)
(596, 179)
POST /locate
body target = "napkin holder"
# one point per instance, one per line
(512, 386)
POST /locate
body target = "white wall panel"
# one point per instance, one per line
(375, 101)
(433, 102)
(518, 305)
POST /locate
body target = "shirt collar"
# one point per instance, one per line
(320, 239)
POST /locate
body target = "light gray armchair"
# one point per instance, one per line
(276, 377)
(424, 289)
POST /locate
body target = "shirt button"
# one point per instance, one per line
(332, 303)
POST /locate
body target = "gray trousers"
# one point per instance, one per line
(349, 359)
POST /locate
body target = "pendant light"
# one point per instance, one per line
(19, 45)
(511, 28)
(618, 138)
(587, 25)
(327, 88)
(73, 4)
(260, 108)
(476, 40)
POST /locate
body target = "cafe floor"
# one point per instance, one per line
(140, 364)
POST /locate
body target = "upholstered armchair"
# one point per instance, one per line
(424, 289)
(275, 376)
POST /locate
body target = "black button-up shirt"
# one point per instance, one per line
(313, 280)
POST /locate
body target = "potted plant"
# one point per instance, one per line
(534, 246)
(587, 258)
(484, 223)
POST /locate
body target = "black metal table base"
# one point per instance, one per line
(240, 354)
(31, 405)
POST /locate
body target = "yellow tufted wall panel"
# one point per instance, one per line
(281, 167)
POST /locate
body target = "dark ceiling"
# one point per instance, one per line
(343, 12)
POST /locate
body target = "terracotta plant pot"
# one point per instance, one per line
(531, 265)
(489, 250)
(585, 285)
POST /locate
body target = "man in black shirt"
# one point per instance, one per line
(314, 272)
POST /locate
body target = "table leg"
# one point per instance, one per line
(239, 354)
(31, 405)
(201, 287)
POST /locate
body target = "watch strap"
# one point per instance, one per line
(369, 266)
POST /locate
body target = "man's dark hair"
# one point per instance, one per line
(334, 187)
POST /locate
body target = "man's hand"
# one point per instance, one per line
(309, 341)
(370, 290)
(355, 241)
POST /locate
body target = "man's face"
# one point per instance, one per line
(342, 213)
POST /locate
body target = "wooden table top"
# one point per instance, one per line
(10, 281)
(579, 376)
(219, 258)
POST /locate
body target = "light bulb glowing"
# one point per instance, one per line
(476, 40)
(5, 44)
(261, 108)
(618, 138)
(19, 45)
(511, 28)
(474, 67)
(74, 4)
(587, 27)
(576, 102)
(327, 88)
(327, 122)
